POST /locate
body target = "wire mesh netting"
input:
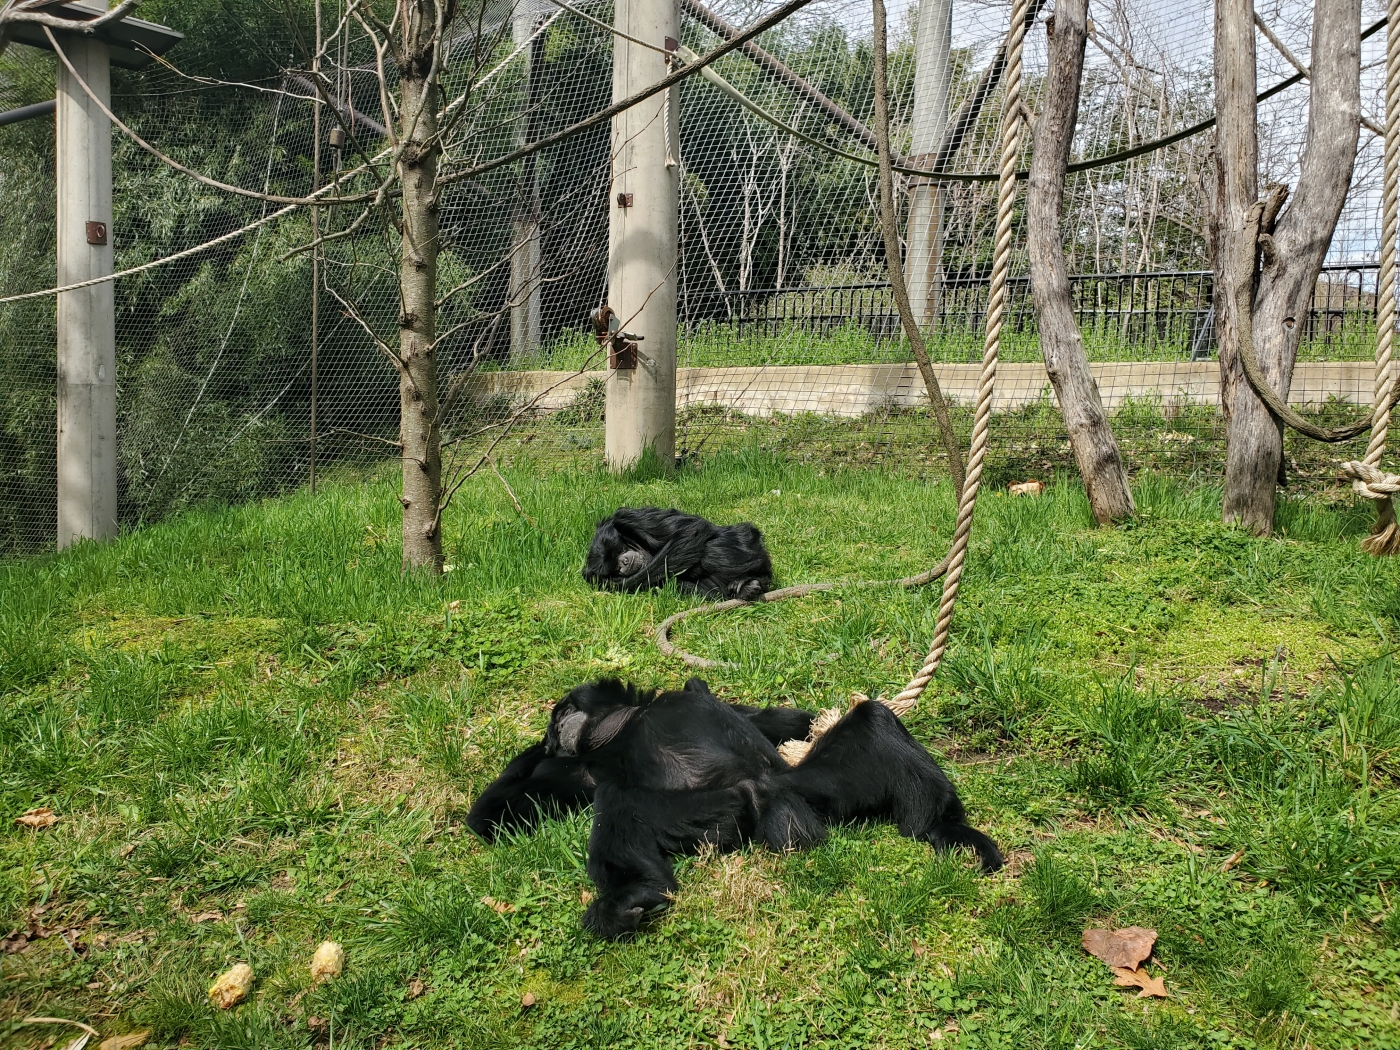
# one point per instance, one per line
(788, 334)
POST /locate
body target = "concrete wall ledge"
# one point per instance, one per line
(857, 390)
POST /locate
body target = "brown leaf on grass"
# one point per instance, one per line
(1150, 987)
(125, 1042)
(207, 916)
(1128, 948)
(499, 907)
(43, 817)
(416, 988)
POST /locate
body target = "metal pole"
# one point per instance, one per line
(932, 75)
(642, 238)
(525, 229)
(315, 232)
(87, 343)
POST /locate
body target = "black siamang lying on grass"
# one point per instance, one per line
(642, 547)
(669, 773)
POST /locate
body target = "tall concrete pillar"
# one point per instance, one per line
(87, 352)
(642, 237)
(525, 258)
(932, 76)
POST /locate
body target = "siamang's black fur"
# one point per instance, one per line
(642, 547)
(671, 772)
(534, 782)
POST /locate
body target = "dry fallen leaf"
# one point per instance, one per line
(1026, 488)
(1151, 987)
(125, 1042)
(232, 986)
(208, 916)
(527, 1000)
(43, 817)
(328, 961)
(499, 907)
(586, 898)
(1127, 948)
(416, 988)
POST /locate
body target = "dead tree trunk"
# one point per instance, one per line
(421, 24)
(1286, 261)
(1090, 436)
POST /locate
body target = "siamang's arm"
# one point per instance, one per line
(778, 724)
(627, 863)
(531, 783)
(681, 553)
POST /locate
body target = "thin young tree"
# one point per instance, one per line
(417, 33)
(1090, 436)
(1267, 257)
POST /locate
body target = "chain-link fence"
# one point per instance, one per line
(788, 337)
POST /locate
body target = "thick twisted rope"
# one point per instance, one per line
(669, 648)
(951, 567)
(1375, 484)
(905, 700)
(1385, 291)
(1368, 480)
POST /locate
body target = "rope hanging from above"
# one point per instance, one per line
(1368, 479)
(905, 700)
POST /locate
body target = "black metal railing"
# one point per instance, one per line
(1164, 312)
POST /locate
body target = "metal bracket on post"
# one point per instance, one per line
(622, 346)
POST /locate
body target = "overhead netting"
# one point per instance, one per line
(788, 334)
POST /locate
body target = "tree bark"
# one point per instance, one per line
(419, 425)
(1290, 249)
(1090, 436)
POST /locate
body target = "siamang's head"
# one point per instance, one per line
(612, 555)
(591, 716)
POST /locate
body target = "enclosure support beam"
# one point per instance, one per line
(924, 237)
(641, 401)
(87, 356)
(525, 259)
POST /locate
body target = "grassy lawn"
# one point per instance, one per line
(258, 736)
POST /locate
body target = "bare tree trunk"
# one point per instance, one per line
(1091, 438)
(421, 24)
(1291, 247)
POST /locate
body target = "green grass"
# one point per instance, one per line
(259, 735)
(726, 345)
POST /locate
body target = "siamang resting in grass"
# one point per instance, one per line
(671, 772)
(642, 547)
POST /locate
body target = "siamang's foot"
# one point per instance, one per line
(613, 921)
(952, 836)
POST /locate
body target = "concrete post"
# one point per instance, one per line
(641, 401)
(525, 225)
(87, 352)
(932, 76)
